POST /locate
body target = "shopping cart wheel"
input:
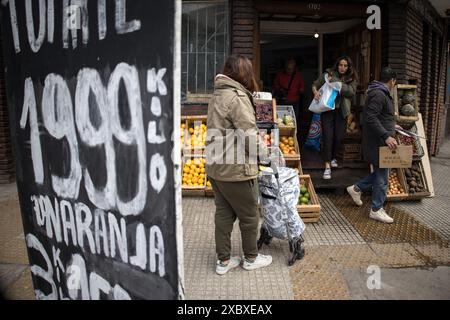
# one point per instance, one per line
(264, 238)
(298, 252)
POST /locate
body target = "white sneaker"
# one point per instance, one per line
(356, 196)
(222, 268)
(260, 262)
(381, 215)
(334, 163)
(327, 174)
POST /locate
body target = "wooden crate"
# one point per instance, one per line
(208, 190)
(283, 129)
(402, 196)
(191, 122)
(350, 152)
(418, 195)
(310, 212)
(272, 132)
(295, 164)
(397, 92)
(295, 156)
(352, 148)
(259, 102)
(192, 190)
(356, 134)
(420, 152)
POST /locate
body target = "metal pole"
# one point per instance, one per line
(320, 54)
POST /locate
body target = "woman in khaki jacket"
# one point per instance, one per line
(232, 166)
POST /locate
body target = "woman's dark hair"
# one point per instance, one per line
(351, 73)
(239, 68)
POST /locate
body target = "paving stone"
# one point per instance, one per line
(434, 254)
(343, 239)
(400, 284)
(272, 282)
(9, 273)
(22, 289)
(435, 212)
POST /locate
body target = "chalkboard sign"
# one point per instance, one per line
(92, 90)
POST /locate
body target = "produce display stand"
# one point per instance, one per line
(353, 131)
(191, 122)
(350, 152)
(418, 151)
(270, 129)
(296, 155)
(286, 111)
(421, 179)
(192, 190)
(421, 161)
(425, 159)
(294, 164)
(208, 190)
(261, 103)
(401, 179)
(309, 212)
(406, 121)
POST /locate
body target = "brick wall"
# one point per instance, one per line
(441, 102)
(425, 76)
(412, 47)
(394, 39)
(6, 156)
(432, 106)
(243, 15)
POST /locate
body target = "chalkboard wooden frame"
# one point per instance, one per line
(94, 99)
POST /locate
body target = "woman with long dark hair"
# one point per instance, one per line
(234, 184)
(334, 122)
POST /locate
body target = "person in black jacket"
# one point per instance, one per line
(378, 130)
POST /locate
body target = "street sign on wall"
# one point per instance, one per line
(92, 91)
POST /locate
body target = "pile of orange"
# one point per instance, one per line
(196, 135)
(287, 145)
(194, 172)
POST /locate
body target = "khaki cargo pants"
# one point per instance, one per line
(236, 200)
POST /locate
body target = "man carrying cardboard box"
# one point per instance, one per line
(378, 126)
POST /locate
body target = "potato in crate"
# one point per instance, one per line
(397, 186)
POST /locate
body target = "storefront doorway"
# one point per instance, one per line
(316, 46)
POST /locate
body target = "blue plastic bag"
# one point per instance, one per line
(314, 133)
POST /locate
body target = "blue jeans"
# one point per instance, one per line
(378, 181)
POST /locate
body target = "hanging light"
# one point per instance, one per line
(316, 34)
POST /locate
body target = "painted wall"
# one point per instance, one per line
(91, 101)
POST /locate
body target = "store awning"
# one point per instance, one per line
(441, 6)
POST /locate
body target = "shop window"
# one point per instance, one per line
(204, 46)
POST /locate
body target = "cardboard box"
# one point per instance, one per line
(398, 158)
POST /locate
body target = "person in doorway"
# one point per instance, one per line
(235, 185)
(334, 121)
(288, 87)
(378, 130)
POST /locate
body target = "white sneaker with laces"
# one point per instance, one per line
(334, 163)
(222, 268)
(380, 215)
(327, 174)
(260, 262)
(356, 196)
